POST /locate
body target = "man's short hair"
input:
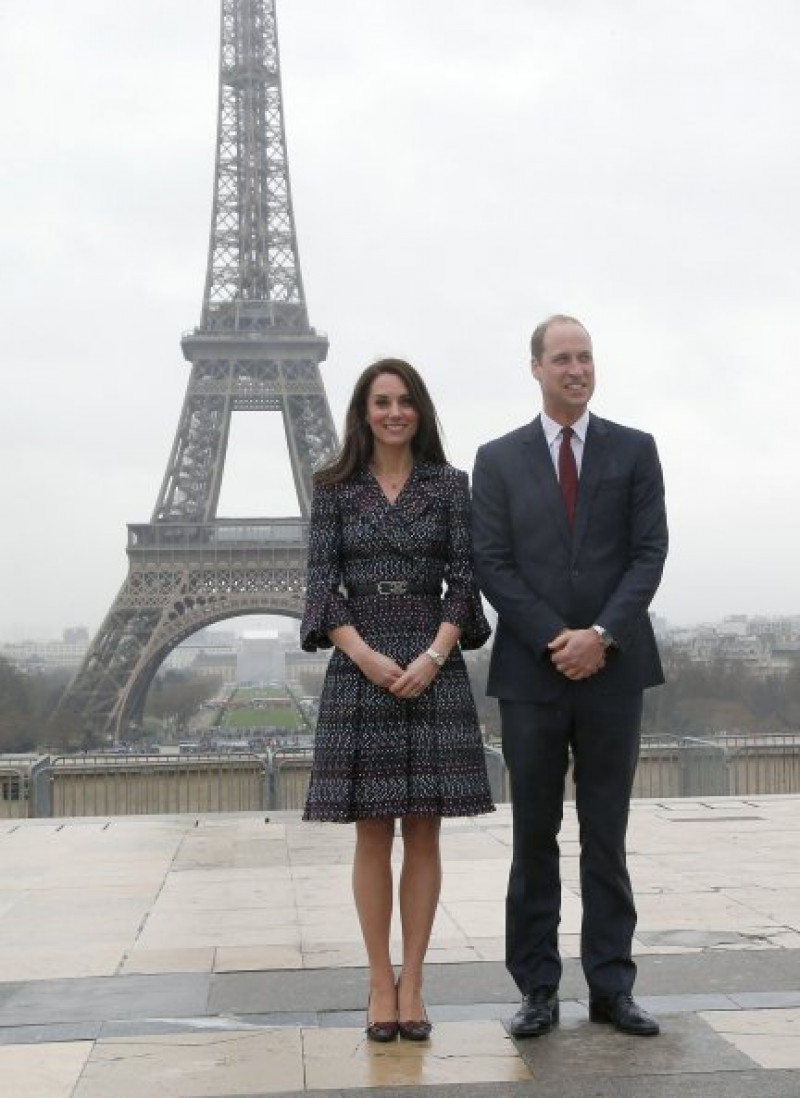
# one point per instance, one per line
(537, 339)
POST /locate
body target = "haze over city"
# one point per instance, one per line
(458, 173)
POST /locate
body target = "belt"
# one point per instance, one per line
(394, 587)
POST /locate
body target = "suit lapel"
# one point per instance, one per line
(539, 464)
(595, 457)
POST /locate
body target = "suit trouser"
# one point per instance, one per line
(603, 732)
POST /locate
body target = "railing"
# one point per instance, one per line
(104, 785)
(289, 532)
(689, 766)
(101, 784)
(727, 765)
(290, 771)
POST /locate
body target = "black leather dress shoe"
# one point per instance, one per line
(624, 1013)
(538, 1013)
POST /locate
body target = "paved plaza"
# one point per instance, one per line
(220, 956)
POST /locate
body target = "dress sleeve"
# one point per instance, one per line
(326, 607)
(461, 604)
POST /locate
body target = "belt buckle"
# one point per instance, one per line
(391, 587)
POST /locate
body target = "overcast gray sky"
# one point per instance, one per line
(459, 170)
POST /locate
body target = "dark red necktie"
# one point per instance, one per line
(568, 473)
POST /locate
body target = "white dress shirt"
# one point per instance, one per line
(552, 432)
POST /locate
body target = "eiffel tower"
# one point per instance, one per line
(254, 350)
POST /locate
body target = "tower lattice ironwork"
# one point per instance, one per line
(254, 350)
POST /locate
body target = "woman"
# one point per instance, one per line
(397, 735)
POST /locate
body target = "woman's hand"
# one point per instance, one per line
(416, 678)
(379, 669)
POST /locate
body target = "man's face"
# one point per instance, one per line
(565, 372)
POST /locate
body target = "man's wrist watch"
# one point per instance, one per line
(604, 635)
(438, 657)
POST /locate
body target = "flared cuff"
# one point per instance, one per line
(321, 615)
(466, 611)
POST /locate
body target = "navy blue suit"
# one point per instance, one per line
(541, 577)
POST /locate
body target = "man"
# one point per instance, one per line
(570, 539)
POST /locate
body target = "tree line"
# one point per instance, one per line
(697, 700)
(27, 703)
(30, 720)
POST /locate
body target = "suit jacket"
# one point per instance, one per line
(541, 577)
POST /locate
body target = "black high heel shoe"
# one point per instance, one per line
(415, 1029)
(382, 1032)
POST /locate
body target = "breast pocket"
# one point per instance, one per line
(612, 490)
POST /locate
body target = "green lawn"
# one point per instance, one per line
(262, 718)
(247, 693)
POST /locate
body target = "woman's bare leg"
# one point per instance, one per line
(420, 884)
(373, 890)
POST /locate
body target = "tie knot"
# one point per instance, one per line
(567, 433)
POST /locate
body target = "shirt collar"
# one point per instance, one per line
(552, 429)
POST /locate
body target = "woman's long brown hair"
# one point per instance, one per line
(355, 452)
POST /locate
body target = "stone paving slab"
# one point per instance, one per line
(582, 1048)
(56, 1033)
(43, 1001)
(770, 1037)
(192, 1066)
(48, 1071)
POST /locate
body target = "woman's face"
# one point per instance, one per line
(391, 415)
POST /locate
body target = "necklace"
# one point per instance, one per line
(393, 481)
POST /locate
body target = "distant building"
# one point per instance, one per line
(307, 669)
(221, 665)
(261, 657)
(50, 655)
(660, 625)
(761, 645)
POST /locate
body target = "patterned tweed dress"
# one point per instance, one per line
(377, 755)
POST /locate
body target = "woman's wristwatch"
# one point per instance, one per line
(438, 658)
